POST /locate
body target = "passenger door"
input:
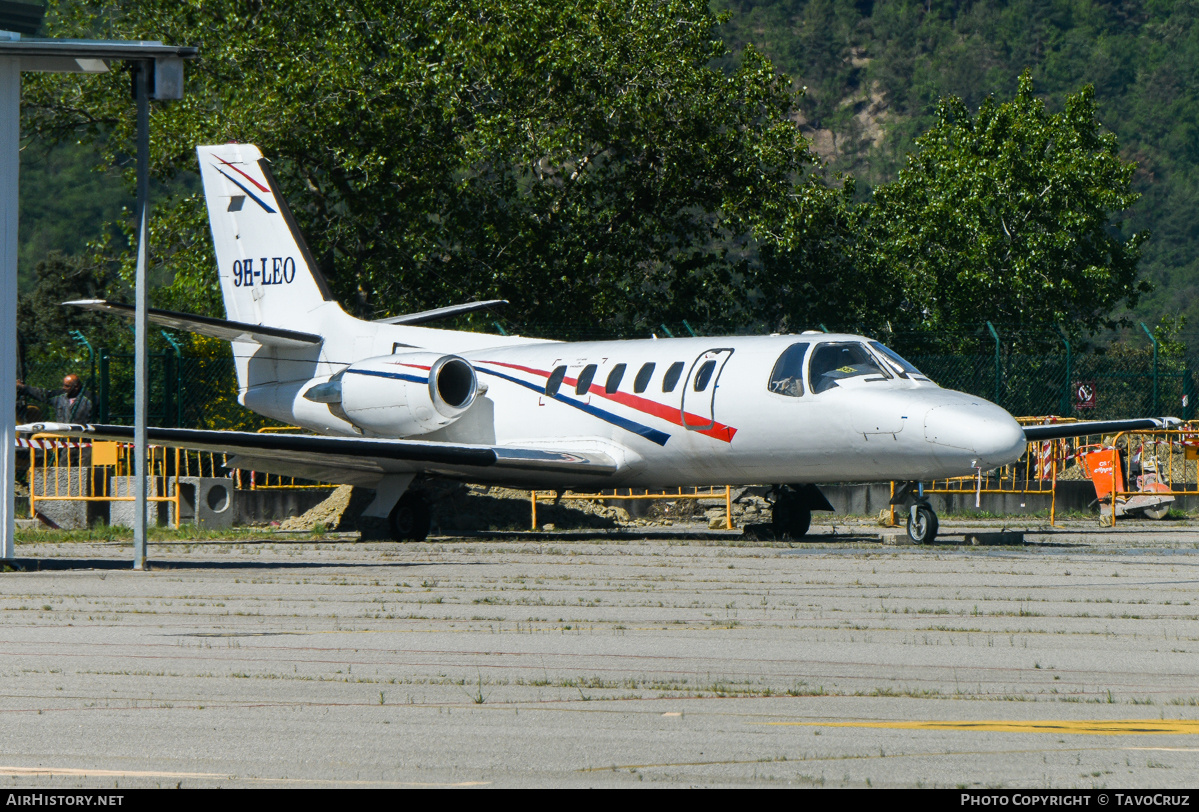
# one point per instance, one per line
(698, 402)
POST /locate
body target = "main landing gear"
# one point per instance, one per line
(396, 512)
(410, 518)
(922, 519)
(791, 516)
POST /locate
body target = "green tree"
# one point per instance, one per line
(43, 322)
(1007, 216)
(587, 163)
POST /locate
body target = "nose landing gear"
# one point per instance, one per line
(922, 524)
(922, 519)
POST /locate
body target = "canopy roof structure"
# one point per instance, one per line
(158, 74)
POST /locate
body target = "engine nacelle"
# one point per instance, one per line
(402, 395)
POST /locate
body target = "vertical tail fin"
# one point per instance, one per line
(268, 275)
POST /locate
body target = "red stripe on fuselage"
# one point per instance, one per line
(671, 414)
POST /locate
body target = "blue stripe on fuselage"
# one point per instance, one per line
(651, 434)
(380, 374)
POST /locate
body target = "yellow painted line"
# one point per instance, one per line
(85, 772)
(1093, 727)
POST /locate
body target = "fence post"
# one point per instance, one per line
(171, 375)
(1149, 333)
(168, 377)
(1188, 391)
(91, 354)
(995, 335)
(1064, 409)
(102, 409)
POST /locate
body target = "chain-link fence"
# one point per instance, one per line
(184, 391)
(1025, 376)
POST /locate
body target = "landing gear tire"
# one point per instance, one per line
(922, 525)
(791, 518)
(410, 518)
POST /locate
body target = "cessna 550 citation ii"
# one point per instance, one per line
(394, 402)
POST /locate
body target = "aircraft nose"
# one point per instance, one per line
(983, 429)
(1000, 440)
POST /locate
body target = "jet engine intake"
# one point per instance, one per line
(401, 395)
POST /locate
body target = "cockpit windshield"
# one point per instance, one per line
(836, 362)
(899, 365)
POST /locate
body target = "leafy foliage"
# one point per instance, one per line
(584, 162)
(876, 85)
(1006, 216)
(41, 319)
(65, 202)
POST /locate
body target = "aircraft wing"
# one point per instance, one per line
(206, 326)
(349, 460)
(1057, 431)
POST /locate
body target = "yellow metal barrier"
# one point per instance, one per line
(1173, 452)
(83, 470)
(697, 493)
(106, 464)
(1035, 473)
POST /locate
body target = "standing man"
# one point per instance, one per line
(72, 406)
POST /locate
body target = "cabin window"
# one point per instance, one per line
(832, 363)
(643, 375)
(671, 378)
(704, 375)
(787, 376)
(585, 378)
(614, 378)
(555, 381)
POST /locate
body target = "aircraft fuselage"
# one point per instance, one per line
(696, 410)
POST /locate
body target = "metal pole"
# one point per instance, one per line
(1188, 391)
(1149, 333)
(142, 92)
(1066, 389)
(10, 150)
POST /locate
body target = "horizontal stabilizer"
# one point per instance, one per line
(426, 316)
(353, 460)
(205, 326)
(1058, 431)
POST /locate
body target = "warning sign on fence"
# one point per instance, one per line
(1084, 395)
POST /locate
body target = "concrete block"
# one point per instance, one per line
(72, 481)
(67, 514)
(275, 504)
(64, 514)
(121, 513)
(204, 501)
(1004, 538)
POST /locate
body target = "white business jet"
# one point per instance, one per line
(392, 403)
